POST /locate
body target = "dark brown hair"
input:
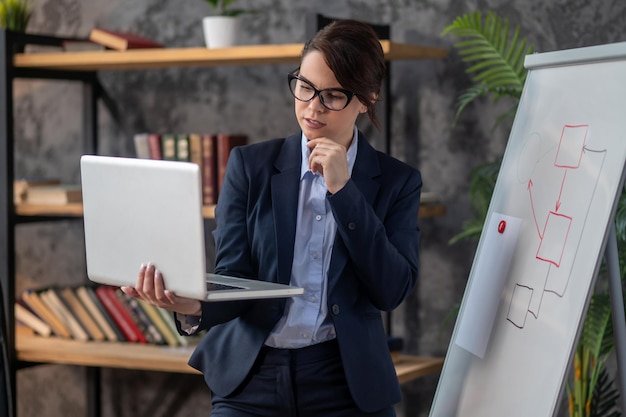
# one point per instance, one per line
(353, 52)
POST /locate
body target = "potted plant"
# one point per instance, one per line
(222, 28)
(15, 14)
(497, 69)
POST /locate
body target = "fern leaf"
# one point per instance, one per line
(596, 325)
(497, 57)
(605, 397)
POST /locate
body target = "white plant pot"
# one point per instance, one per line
(220, 31)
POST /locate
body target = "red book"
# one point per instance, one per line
(121, 41)
(209, 169)
(154, 146)
(225, 143)
(120, 315)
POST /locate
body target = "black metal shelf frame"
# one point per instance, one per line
(10, 44)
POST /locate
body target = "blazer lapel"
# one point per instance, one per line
(366, 169)
(284, 189)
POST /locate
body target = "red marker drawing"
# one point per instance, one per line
(501, 226)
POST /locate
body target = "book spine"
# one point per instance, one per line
(182, 148)
(168, 318)
(32, 299)
(225, 143)
(105, 321)
(139, 317)
(106, 294)
(142, 147)
(168, 147)
(154, 144)
(30, 319)
(161, 325)
(80, 312)
(55, 303)
(195, 149)
(209, 169)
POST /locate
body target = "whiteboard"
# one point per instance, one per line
(543, 239)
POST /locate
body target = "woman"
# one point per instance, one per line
(320, 210)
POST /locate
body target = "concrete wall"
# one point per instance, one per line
(256, 100)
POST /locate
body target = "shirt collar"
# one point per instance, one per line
(351, 154)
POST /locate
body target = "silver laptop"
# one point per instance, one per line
(143, 210)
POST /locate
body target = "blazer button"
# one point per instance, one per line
(351, 226)
(335, 309)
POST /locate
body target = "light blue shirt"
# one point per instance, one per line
(305, 320)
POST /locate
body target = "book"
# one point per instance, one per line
(120, 315)
(81, 46)
(225, 143)
(33, 301)
(121, 40)
(182, 147)
(93, 304)
(162, 326)
(154, 144)
(209, 168)
(69, 297)
(56, 305)
(195, 149)
(142, 146)
(54, 194)
(168, 318)
(140, 318)
(168, 147)
(22, 329)
(30, 319)
(21, 186)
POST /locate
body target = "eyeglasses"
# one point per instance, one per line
(332, 98)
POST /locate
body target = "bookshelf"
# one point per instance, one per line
(427, 210)
(84, 67)
(185, 57)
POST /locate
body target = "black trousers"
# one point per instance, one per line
(306, 382)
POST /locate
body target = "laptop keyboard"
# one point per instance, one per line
(213, 286)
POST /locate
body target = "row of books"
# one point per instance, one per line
(96, 313)
(209, 150)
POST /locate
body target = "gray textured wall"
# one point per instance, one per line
(255, 100)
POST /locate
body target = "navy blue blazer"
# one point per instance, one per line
(373, 267)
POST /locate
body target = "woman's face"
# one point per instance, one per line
(315, 120)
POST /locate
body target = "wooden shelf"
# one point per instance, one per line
(65, 210)
(187, 57)
(164, 359)
(427, 210)
(430, 210)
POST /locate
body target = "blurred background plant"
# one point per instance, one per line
(495, 56)
(223, 8)
(15, 14)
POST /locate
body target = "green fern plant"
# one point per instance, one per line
(496, 57)
(586, 397)
(222, 8)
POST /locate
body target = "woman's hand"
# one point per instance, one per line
(328, 158)
(151, 288)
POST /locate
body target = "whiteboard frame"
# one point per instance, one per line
(594, 54)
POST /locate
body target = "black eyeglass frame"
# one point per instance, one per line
(317, 93)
